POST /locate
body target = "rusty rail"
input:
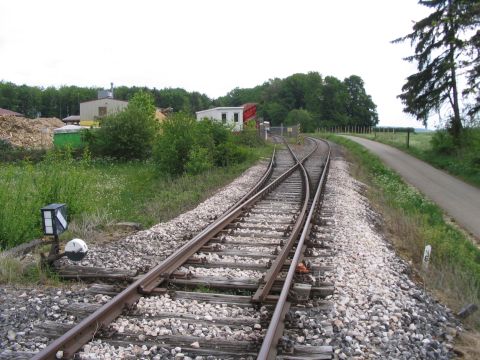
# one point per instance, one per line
(73, 340)
(272, 273)
(268, 349)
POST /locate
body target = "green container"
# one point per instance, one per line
(67, 137)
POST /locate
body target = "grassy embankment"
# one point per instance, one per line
(413, 222)
(97, 193)
(463, 162)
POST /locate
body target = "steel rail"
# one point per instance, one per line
(272, 273)
(268, 349)
(260, 183)
(73, 340)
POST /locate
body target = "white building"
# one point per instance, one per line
(230, 116)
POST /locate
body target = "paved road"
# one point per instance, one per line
(459, 200)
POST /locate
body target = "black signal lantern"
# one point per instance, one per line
(54, 222)
(54, 219)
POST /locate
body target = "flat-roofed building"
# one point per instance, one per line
(229, 116)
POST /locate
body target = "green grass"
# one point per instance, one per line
(14, 271)
(98, 193)
(415, 222)
(463, 162)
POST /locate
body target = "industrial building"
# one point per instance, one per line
(234, 116)
(92, 111)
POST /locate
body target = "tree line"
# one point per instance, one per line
(33, 101)
(308, 99)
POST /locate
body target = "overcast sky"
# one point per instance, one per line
(209, 46)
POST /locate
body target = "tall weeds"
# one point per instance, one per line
(25, 188)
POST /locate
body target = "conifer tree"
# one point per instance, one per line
(442, 54)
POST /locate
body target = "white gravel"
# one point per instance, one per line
(23, 308)
(229, 273)
(378, 312)
(147, 248)
(203, 326)
(215, 258)
(231, 240)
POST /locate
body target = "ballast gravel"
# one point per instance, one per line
(378, 312)
(228, 273)
(22, 309)
(202, 325)
(155, 305)
(215, 258)
(144, 249)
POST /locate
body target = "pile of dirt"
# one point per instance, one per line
(28, 133)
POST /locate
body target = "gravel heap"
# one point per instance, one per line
(147, 248)
(378, 312)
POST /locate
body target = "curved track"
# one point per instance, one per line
(225, 293)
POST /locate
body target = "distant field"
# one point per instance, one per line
(418, 141)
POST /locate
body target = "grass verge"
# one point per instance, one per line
(413, 222)
(14, 271)
(100, 192)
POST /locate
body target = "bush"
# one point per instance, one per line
(443, 143)
(188, 146)
(198, 161)
(176, 140)
(249, 136)
(302, 117)
(10, 153)
(129, 134)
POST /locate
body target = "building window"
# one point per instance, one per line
(235, 117)
(224, 118)
(102, 110)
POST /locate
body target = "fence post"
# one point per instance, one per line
(408, 138)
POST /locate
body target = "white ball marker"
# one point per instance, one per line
(76, 249)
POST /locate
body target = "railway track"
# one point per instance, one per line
(227, 291)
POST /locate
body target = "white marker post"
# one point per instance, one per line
(426, 256)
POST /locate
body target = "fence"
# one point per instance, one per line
(287, 131)
(369, 130)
